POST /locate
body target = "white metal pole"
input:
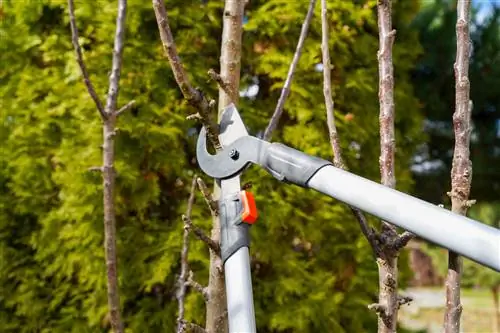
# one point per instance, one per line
(460, 234)
(239, 292)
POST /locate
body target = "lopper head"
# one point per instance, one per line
(239, 148)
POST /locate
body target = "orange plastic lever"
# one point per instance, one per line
(250, 213)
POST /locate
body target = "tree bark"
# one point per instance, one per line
(494, 292)
(230, 64)
(387, 260)
(108, 116)
(461, 172)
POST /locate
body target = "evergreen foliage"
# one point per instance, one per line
(313, 270)
(434, 83)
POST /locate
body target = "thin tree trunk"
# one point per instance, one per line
(108, 176)
(108, 115)
(230, 64)
(495, 291)
(387, 260)
(461, 172)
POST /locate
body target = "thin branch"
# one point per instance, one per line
(211, 203)
(220, 81)
(125, 108)
(95, 169)
(327, 89)
(200, 234)
(273, 123)
(81, 63)
(181, 292)
(369, 233)
(197, 286)
(116, 65)
(334, 139)
(461, 172)
(194, 96)
(191, 327)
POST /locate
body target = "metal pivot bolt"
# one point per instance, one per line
(234, 154)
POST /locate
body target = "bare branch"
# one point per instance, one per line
(327, 89)
(108, 115)
(366, 230)
(181, 292)
(212, 204)
(95, 169)
(116, 65)
(196, 286)
(81, 63)
(222, 84)
(334, 139)
(194, 96)
(188, 224)
(273, 123)
(461, 172)
(125, 108)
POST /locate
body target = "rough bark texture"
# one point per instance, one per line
(230, 64)
(461, 172)
(108, 116)
(181, 291)
(193, 96)
(273, 123)
(387, 260)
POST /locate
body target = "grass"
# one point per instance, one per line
(477, 315)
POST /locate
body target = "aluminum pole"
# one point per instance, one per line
(472, 239)
(239, 292)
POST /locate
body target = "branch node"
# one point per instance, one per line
(379, 309)
(402, 240)
(201, 235)
(194, 116)
(197, 286)
(402, 300)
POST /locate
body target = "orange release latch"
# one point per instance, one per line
(250, 213)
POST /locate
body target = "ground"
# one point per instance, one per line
(427, 310)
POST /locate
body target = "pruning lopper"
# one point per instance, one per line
(237, 209)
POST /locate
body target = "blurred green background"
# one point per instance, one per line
(312, 269)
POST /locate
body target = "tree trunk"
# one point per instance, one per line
(461, 172)
(494, 291)
(108, 175)
(387, 260)
(230, 63)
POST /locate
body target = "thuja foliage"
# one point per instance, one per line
(312, 269)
